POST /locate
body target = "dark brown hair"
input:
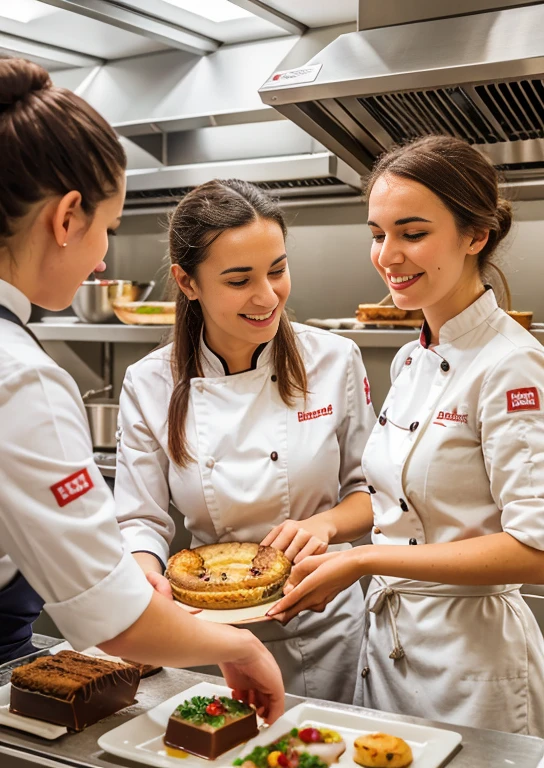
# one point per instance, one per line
(197, 222)
(52, 142)
(464, 180)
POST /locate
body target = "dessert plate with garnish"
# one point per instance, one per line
(307, 736)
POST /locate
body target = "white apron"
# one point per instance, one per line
(258, 464)
(459, 453)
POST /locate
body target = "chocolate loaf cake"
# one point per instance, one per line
(71, 689)
(208, 727)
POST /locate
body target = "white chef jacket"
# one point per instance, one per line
(57, 519)
(258, 463)
(472, 464)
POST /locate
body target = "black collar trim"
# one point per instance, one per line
(254, 358)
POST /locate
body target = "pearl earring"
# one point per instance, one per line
(64, 245)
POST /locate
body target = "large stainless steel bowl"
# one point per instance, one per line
(102, 415)
(93, 300)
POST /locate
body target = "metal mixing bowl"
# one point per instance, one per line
(93, 300)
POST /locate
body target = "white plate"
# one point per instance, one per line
(251, 615)
(141, 739)
(27, 724)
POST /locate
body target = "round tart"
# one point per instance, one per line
(229, 575)
(381, 750)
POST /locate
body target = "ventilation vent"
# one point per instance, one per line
(483, 114)
(288, 187)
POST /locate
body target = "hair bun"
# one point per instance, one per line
(504, 217)
(18, 79)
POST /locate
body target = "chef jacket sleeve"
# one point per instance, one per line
(512, 431)
(356, 426)
(57, 517)
(142, 493)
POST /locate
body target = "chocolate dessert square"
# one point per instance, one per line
(208, 727)
(71, 689)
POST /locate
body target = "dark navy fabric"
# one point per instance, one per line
(20, 604)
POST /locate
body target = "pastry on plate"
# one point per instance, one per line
(381, 750)
(228, 575)
(209, 726)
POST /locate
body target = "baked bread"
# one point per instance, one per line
(368, 312)
(228, 575)
(145, 312)
(381, 750)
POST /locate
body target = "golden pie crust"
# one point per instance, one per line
(381, 750)
(229, 575)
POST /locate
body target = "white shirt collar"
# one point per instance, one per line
(13, 299)
(471, 317)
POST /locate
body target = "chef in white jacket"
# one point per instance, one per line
(60, 544)
(255, 460)
(455, 465)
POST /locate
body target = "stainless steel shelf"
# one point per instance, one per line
(152, 334)
(396, 338)
(127, 334)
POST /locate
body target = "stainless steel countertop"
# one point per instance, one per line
(480, 749)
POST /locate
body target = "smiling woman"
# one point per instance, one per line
(248, 423)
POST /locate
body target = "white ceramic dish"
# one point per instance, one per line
(141, 739)
(251, 615)
(27, 724)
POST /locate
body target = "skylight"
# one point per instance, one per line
(213, 10)
(24, 10)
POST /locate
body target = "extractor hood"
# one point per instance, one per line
(479, 77)
(296, 177)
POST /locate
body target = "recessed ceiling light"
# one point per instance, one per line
(24, 10)
(214, 10)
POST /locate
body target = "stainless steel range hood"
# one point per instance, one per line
(297, 177)
(479, 77)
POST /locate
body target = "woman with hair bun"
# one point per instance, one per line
(455, 464)
(61, 190)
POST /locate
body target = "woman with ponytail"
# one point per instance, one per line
(62, 189)
(247, 422)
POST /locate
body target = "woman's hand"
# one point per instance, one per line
(160, 584)
(152, 568)
(256, 679)
(316, 581)
(300, 538)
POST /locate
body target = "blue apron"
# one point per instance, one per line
(20, 604)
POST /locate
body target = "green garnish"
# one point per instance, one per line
(194, 710)
(148, 310)
(306, 760)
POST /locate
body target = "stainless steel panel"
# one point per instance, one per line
(480, 749)
(299, 167)
(384, 13)
(171, 87)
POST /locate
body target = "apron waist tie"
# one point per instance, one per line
(388, 596)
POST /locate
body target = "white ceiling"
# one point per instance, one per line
(317, 13)
(78, 33)
(73, 32)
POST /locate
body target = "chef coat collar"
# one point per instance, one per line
(465, 321)
(215, 365)
(13, 299)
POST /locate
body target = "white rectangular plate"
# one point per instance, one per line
(141, 739)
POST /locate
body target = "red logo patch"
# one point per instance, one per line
(525, 399)
(367, 391)
(305, 415)
(457, 418)
(71, 488)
